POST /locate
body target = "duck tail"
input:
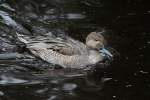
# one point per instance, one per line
(21, 38)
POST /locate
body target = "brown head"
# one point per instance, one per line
(95, 40)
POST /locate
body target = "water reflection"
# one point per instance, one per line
(10, 80)
(41, 87)
(75, 16)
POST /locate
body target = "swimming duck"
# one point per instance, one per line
(65, 51)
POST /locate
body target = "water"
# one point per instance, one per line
(24, 77)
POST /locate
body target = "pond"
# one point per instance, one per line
(25, 77)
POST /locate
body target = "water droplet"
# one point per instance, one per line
(114, 96)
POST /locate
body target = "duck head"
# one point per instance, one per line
(96, 41)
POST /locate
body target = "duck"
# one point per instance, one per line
(66, 51)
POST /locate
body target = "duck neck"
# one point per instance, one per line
(95, 56)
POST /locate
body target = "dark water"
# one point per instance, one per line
(24, 77)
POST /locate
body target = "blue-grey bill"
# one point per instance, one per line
(106, 53)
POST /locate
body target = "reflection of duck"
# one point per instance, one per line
(66, 51)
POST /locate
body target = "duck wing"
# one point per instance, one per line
(64, 45)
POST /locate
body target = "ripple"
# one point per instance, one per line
(69, 86)
(10, 80)
(75, 16)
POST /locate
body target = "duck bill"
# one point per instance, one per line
(106, 53)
